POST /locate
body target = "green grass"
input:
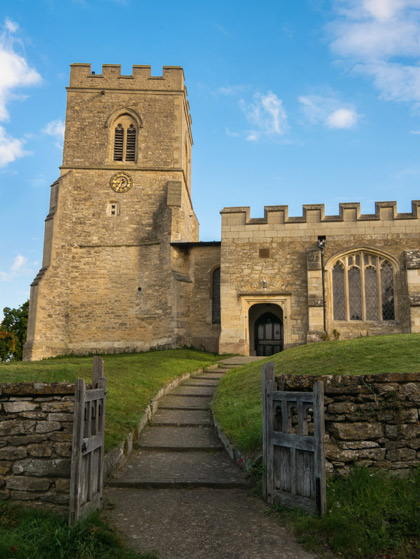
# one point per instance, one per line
(132, 380)
(35, 534)
(371, 515)
(238, 407)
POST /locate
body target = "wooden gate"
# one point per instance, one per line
(87, 457)
(293, 445)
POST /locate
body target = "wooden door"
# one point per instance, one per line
(268, 334)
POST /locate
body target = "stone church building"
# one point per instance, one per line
(124, 270)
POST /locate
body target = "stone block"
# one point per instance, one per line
(63, 449)
(47, 426)
(345, 407)
(13, 453)
(58, 407)
(401, 454)
(356, 431)
(19, 440)
(19, 406)
(68, 417)
(59, 467)
(62, 485)
(16, 427)
(40, 450)
(24, 483)
(5, 467)
(60, 436)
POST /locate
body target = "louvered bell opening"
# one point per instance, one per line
(130, 154)
(119, 143)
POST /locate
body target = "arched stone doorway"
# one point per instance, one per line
(265, 329)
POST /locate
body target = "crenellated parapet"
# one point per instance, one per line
(315, 213)
(172, 78)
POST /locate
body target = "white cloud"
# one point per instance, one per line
(17, 268)
(10, 148)
(266, 114)
(373, 36)
(231, 90)
(342, 118)
(18, 263)
(56, 128)
(15, 73)
(329, 111)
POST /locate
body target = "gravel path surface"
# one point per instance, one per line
(180, 496)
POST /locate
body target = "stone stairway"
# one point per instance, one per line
(180, 495)
(181, 448)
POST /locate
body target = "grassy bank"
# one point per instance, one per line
(132, 380)
(370, 515)
(238, 402)
(35, 534)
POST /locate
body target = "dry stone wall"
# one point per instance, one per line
(370, 420)
(36, 423)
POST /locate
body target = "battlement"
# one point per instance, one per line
(81, 76)
(315, 213)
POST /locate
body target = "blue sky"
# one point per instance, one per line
(293, 102)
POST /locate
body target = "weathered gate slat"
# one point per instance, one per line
(294, 457)
(86, 481)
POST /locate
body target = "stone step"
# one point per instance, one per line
(174, 484)
(202, 382)
(179, 438)
(182, 417)
(184, 403)
(175, 469)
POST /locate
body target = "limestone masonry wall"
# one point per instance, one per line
(36, 424)
(370, 420)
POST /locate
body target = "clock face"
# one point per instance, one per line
(121, 182)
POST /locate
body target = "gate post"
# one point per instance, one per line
(268, 381)
(319, 457)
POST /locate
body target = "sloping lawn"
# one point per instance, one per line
(132, 380)
(238, 407)
(370, 515)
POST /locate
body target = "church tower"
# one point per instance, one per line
(107, 282)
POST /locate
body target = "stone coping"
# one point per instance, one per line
(36, 388)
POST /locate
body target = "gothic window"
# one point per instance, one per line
(216, 297)
(125, 139)
(363, 287)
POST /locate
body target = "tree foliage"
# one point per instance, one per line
(13, 332)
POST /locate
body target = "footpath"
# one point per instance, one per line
(180, 495)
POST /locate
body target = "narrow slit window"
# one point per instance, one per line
(216, 296)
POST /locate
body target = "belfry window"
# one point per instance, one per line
(363, 287)
(125, 139)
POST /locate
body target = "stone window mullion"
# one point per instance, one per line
(378, 270)
(363, 287)
(346, 287)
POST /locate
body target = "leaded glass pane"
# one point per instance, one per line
(387, 281)
(355, 294)
(216, 297)
(338, 293)
(371, 294)
(357, 259)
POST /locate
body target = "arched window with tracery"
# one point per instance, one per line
(215, 293)
(125, 139)
(363, 287)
